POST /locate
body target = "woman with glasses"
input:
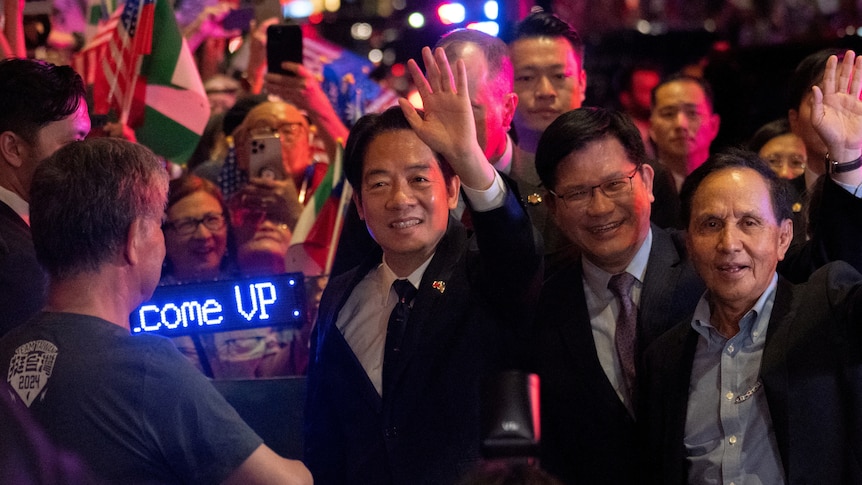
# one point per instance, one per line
(196, 249)
(780, 148)
(786, 155)
(200, 246)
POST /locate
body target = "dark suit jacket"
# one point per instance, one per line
(835, 225)
(426, 426)
(22, 282)
(665, 207)
(588, 435)
(534, 197)
(811, 372)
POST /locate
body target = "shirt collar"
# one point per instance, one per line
(598, 279)
(752, 326)
(386, 276)
(18, 204)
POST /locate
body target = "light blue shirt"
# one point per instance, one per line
(729, 438)
(604, 308)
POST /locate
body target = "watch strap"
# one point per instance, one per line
(836, 167)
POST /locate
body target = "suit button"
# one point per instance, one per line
(391, 432)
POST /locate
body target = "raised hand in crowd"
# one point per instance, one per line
(302, 88)
(836, 115)
(447, 126)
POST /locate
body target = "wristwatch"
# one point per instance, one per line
(833, 166)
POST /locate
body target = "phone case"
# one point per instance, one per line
(283, 43)
(265, 159)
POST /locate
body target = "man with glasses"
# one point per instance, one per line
(632, 283)
(274, 118)
(593, 163)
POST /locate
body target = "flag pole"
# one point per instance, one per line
(346, 193)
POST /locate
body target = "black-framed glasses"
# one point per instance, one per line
(214, 221)
(612, 189)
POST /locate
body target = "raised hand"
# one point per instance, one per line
(836, 112)
(448, 126)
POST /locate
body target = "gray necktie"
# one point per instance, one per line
(625, 339)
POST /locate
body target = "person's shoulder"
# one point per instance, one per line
(836, 275)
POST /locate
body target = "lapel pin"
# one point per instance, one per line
(534, 199)
(439, 286)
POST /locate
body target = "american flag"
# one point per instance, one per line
(112, 59)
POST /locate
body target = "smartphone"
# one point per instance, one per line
(238, 19)
(265, 158)
(283, 43)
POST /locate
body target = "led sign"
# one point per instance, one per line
(217, 306)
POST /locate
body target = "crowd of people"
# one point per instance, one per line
(693, 315)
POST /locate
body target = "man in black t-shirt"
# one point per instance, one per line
(131, 407)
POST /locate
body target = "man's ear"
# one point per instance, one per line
(785, 237)
(510, 103)
(453, 191)
(582, 90)
(134, 239)
(358, 203)
(715, 122)
(12, 149)
(648, 177)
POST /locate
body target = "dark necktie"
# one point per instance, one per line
(625, 338)
(397, 322)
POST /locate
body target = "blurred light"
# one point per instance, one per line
(297, 9)
(361, 31)
(332, 5)
(391, 35)
(389, 56)
(415, 99)
(709, 25)
(492, 10)
(859, 32)
(416, 20)
(315, 18)
(489, 27)
(398, 70)
(375, 55)
(384, 9)
(399, 4)
(644, 27)
(451, 13)
(850, 30)
(721, 46)
(234, 44)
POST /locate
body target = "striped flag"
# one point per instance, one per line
(155, 88)
(315, 237)
(112, 60)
